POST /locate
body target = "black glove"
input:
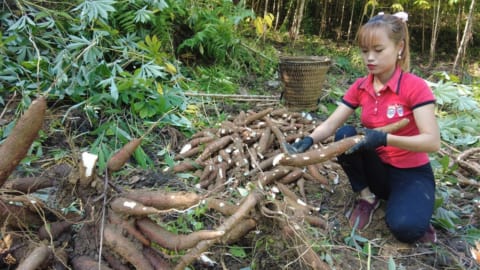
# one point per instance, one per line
(300, 146)
(371, 141)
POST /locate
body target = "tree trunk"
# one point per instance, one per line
(467, 35)
(297, 20)
(339, 31)
(435, 30)
(265, 9)
(323, 20)
(350, 22)
(423, 31)
(458, 21)
(289, 12)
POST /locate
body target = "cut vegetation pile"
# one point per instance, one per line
(241, 172)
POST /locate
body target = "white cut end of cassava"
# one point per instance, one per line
(130, 204)
(222, 204)
(306, 158)
(301, 202)
(89, 160)
(336, 180)
(186, 148)
(207, 260)
(198, 186)
(277, 159)
(275, 190)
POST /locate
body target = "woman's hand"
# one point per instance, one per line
(371, 141)
(300, 146)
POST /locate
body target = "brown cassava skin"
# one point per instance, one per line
(53, 230)
(37, 258)
(18, 216)
(308, 255)
(240, 230)
(28, 184)
(158, 262)
(129, 226)
(333, 149)
(314, 171)
(173, 241)
(131, 207)
(119, 159)
(257, 116)
(245, 207)
(125, 248)
(87, 263)
(17, 144)
(214, 147)
(163, 200)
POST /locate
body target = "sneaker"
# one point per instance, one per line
(363, 211)
(429, 237)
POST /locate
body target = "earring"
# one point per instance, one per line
(399, 56)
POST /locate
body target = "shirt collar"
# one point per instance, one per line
(393, 84)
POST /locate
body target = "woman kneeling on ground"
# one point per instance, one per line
(391, 167)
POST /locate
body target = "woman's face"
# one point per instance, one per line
(381, 54)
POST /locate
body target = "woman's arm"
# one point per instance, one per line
(333, 122)
(429, 138)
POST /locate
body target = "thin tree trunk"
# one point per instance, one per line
(435, 30)
(323, 21)
(342, 16)
(265, 9)
(350, 22)
(278, 6)
(467, 34)
(458, 20)
(297, 20)
(365, 7)
(289, 12)
(423, 31)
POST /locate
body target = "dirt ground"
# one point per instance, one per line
(264, 247)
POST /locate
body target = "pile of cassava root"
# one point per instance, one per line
(122, 229)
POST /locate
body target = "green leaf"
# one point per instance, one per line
(238, 252)
(391, 264)
(91, 10)
(143, 15)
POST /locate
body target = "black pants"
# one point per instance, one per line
(409, 193)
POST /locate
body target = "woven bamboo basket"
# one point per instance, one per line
(302, 78)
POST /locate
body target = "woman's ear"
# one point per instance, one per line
(401, 46)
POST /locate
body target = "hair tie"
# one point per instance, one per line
(402, 15)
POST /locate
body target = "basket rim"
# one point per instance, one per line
(304, 59)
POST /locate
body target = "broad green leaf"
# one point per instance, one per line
(143, 15)
(238, 252)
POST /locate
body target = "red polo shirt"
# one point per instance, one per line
(401, 95)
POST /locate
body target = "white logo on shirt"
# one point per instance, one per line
(394, 109)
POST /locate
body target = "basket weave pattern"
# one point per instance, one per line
(302, 78)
